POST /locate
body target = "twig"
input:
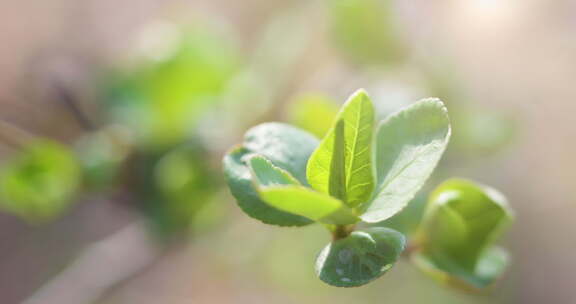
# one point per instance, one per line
(102, 266)
(65, 96)
(13, 135)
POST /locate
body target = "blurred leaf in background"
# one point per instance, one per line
(101, 155)
(313, 113)
(482, 132)
(185, 69)
(367, 31)
(478, 131)
(39, 182)
(174, 186)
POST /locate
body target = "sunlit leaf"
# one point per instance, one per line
(287, 148)
(409, 145)
(462, 222)
(39, 182)
(282, 191)
(337, 181)
(359, 258)
(357, 116)
(266, 174)
(308, 203)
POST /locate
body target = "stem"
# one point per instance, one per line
(100, 267)
(411, 247)
(341, 231)
(13, 135)
(71, 103)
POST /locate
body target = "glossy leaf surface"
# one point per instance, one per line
(409, 145)
(359, 258)
(266, 174)
(286, 147)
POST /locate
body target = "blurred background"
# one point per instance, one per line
(115, 116)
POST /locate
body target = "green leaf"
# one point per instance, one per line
(359, 258)
(286, 147)
(409, 219)
(266, 174)
(308, 203)
(358, 119)
(462, 222)
(337, 182)
(409, 145)
(491, 265)
(39, 183)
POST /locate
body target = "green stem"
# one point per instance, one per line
(341, 231)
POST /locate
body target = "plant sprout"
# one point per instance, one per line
(363, 173)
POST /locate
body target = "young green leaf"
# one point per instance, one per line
(337, 182)
(286, 147)
(462, 222)
(271, 183)
(308, 203)
(239, 180)
(359, 258)
(357, 117)
(409, 145)
(266, 174)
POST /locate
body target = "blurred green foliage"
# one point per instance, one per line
(162, 99)
(367, 31)
(101, 155)
(313, 113)
(40, 181)
(182, 182)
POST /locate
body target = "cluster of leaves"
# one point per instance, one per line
(360, 175)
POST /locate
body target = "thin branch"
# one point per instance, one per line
(100, 267)
(13, 135)
(67, 98)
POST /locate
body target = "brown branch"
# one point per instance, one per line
(13, 135)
